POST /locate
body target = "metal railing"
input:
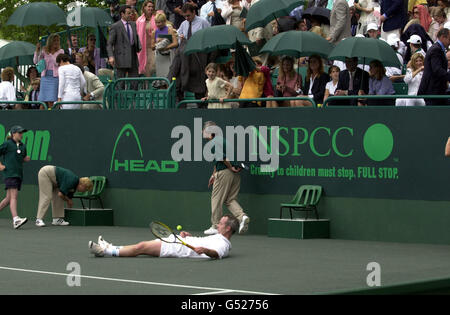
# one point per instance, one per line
(380, 97)
(3, 103)
(245, 100)
(139, 93)
(58, 105)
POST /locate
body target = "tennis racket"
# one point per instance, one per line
(162, 231)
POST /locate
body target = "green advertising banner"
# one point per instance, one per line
(393, 153)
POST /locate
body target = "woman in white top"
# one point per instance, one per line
(71, 82)
(331, 86)
(366, 7)
(412, 78)
(7, 89)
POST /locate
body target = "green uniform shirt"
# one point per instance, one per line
(12, 155)
(221, 145)
(67, 181)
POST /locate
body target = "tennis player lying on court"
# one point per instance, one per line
(215, 246)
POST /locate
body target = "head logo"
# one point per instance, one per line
(378, 142)
(140, 165)
(37, 143)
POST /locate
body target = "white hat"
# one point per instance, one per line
(415, 39)
(360, 35)
(372, 26)
(447, 25)
(393, 40)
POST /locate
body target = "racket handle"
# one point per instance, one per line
(190, 246)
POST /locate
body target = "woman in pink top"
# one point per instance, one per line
(49, 77)
(145, 25)
(289, 84)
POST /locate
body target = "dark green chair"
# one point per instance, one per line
(306, 199)
(99, 185)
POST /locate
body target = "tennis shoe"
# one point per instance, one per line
(104, 244)
(39, 223)
(211, 231)
(60, 222)
(243, 226)
(19, 222)
(96, 249)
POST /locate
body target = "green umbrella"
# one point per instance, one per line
(366, 49)
(88, 16)
(297, 44)
(37, 13)
(264, 11)
(243, 63)
(215, 38)
(17, 51)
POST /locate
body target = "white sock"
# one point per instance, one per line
(112, 251)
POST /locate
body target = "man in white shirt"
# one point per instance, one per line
(192, 24)
(215, 246)
(207, 10)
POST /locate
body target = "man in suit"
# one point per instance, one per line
(393, 17)
(94, 89)
(123, 46)
(340, 22)
(72, 47)
(353, 81)
(435, 74)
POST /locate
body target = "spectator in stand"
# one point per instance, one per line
(315, 81)
(71, 82)
(7, 89)
(217, 88)
(393, 17)
(163, 46)
(289, 83)
(261, 35)
(124, 45)
(31, 75)
(33, 96)
(81, 59)
(444, 5)
(395, 73)
(415, 44)
(49, 77)
(145, 26)
(192, 24)
(176, 7)
(435, 74)
(231, 12)
(301, 26)
(352, 81)
(207, 10)
(372, 30)
(252, 86)
(415, 29)
(72, 47)
(379, 84)
(94, 89)
(439, 19)
(366, 7)
(331, 86)
(92, 55)
(340, 22)
(421, 12)
(413, 78)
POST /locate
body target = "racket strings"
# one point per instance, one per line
(159, 230)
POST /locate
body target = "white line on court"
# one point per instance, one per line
(134, 281)
(218, 292)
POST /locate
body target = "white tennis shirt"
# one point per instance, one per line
(217, 242)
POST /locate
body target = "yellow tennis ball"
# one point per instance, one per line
(179, 227)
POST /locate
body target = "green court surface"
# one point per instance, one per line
(35, 260)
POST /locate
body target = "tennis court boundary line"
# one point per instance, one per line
(215, 290)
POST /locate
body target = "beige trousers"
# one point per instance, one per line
(225, 191)
(48, 191)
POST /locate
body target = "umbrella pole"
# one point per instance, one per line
(277, 22)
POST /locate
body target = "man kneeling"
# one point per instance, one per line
(215, 246)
